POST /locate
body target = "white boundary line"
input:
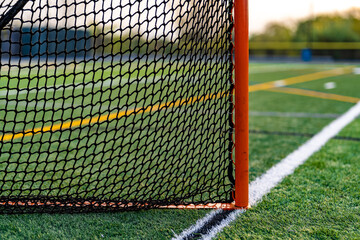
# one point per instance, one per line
(218, 228)
(199, 223)
(263, 184)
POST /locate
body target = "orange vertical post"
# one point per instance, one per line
(241, 24)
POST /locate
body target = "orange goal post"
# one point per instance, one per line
(241, 23)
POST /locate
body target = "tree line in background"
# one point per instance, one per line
(200, 27)
(337, 27)
(340, 27)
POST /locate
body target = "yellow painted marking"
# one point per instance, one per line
(301, 79)
(108, 117)
(111, 116)
(316, 94)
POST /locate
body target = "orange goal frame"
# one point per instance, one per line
(241, 29)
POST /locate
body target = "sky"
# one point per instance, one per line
(265, 11)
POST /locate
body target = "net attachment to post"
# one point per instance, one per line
(116, 105)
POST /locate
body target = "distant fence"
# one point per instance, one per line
(324, 50)
(302, 45)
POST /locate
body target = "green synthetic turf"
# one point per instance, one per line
(283, 102)
(319, 201)
(151, 224)
(265, 151)
(261, 77)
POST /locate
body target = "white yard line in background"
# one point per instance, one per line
(107, 83)
(37, 104)
(49, 102)
(57, 105)
(61, 87)
(263, 184)
(71, 87)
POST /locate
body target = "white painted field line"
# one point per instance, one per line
(64, 87)
(263, 184)
(218, 228)
(61, 87)
(199, 223)
(57, 105)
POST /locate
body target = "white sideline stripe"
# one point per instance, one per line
(199, 223)
(263, 184)
(215, 230)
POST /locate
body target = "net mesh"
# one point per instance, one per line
(113, 105)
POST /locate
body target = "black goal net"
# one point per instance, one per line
(115, 105)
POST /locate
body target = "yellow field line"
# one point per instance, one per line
(111, 116)
(108, 117)
(301, 79)
(316, 94)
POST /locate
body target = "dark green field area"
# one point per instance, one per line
(279, 122)
(281, 102)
